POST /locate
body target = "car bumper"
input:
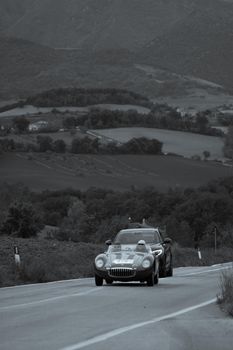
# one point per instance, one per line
(124, 274)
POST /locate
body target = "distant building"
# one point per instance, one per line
(36, 126)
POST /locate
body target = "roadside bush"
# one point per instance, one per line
(37, 271)
(225, 298)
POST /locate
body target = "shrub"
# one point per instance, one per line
(36, 271)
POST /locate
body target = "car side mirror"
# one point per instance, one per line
(108, 242)
(167, 240)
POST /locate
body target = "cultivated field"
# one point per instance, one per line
(197, 99)
(182, 143)
(119, 172)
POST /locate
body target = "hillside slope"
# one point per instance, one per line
(100, 43)
(12, 11)
(24, 65)
(99, 23)
(201, 45)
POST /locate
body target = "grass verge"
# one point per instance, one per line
(183, 256)
(44, 260)
(225, 298)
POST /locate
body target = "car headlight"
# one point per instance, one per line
(146, 263)
(158, 252)
(99, 263)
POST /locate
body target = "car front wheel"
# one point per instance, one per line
(162, 270)
(151, 280)
(170, 270)
(98, 281)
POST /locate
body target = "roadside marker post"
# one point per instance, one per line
(17, 257)
(199, 253)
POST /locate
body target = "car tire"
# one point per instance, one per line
(162, 271)
(156, 278)
(170, 270)
(151, 280)
(98, 281)
(108, 281)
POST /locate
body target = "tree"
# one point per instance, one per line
(85, 145)
(201, 123)
(59, 146)
(73, 226)
(22, 221)
(21, 124)
(228, 144)
(206, 155)
(45, 143)
(142, 145)
(69, 122)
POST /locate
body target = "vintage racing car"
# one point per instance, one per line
(127, 261)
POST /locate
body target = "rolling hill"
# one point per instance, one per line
(201, 45)
(101, 43)
(97, 24)
(11, 11)
(24, 65)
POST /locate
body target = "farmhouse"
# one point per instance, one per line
(36, 126)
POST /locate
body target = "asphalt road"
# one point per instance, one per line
(179, 313)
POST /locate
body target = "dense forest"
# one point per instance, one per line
(189, 217)
(84, 97)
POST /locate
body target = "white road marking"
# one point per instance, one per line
(38, 302)
(126, 329)
(49, 283)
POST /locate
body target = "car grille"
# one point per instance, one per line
(122, 272)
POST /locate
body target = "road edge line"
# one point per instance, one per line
(119, 331)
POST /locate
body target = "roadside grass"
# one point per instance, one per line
(183, 256)
(225, 297)
(45, 260)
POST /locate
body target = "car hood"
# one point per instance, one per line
(126, 257)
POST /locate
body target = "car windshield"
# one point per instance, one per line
(116, 248)
(133, 236)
